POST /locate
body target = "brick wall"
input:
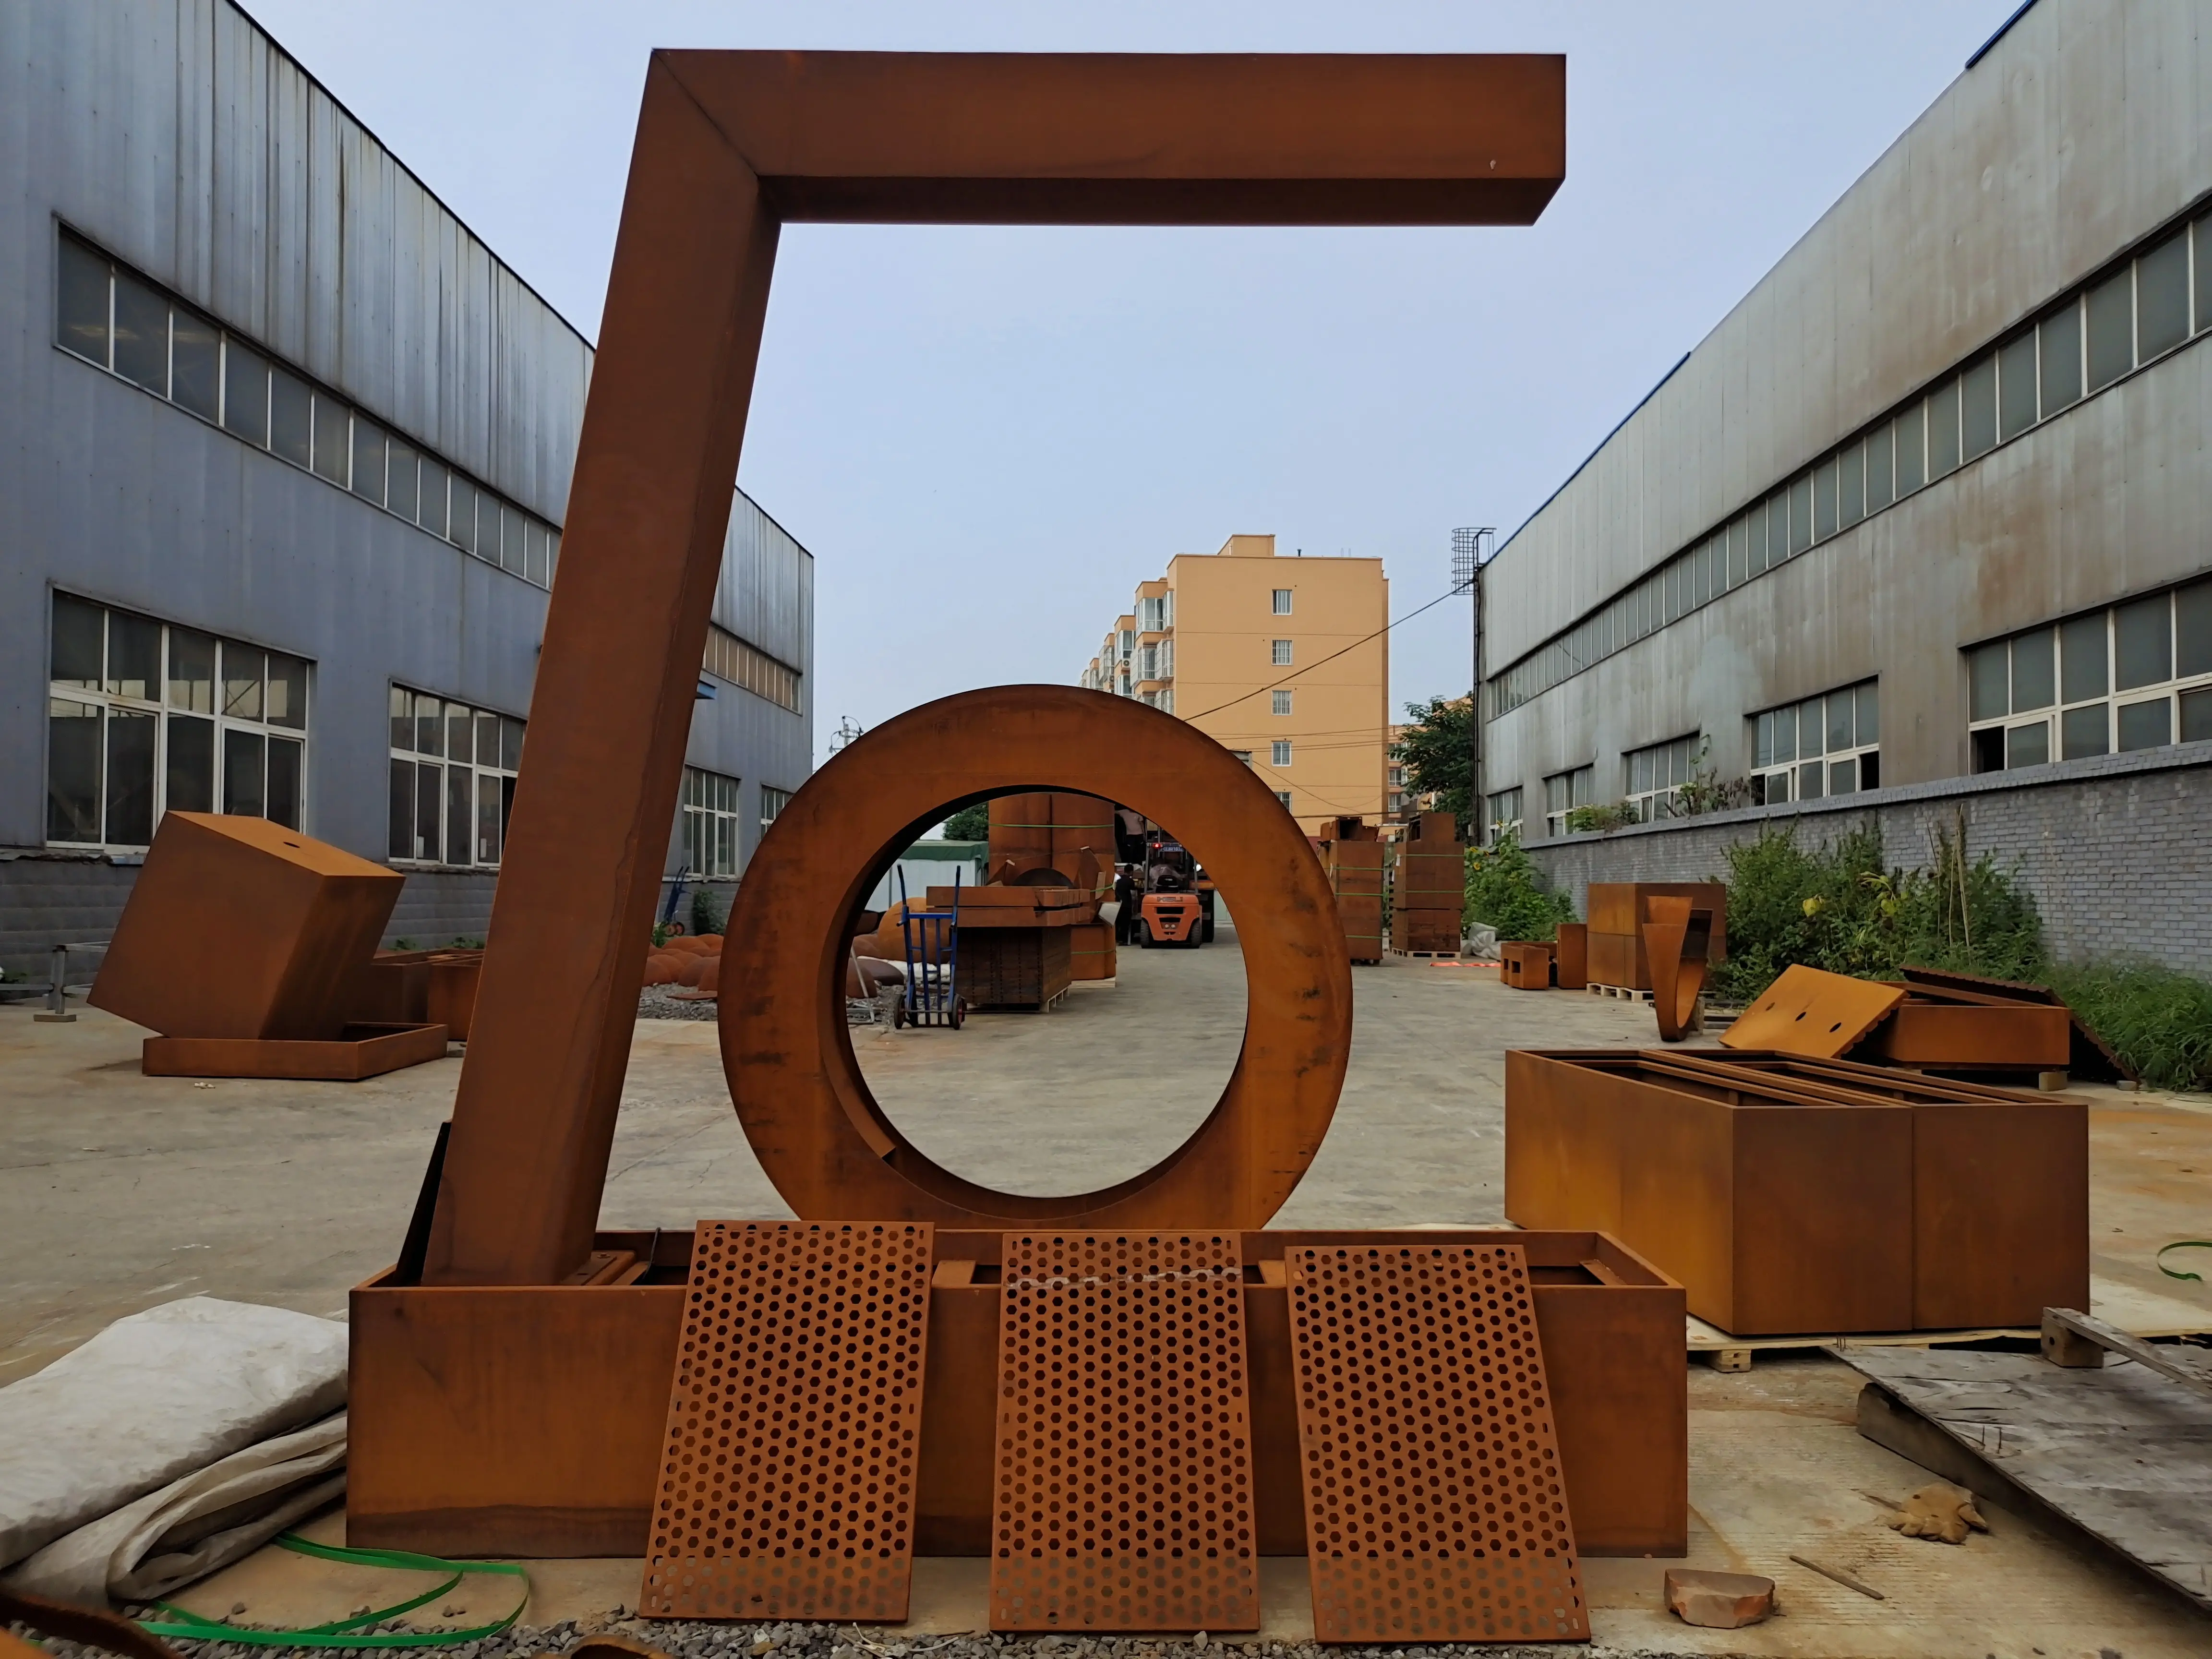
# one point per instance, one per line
(2117, 850)
(47, 899)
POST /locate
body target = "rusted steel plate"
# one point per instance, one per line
(2017, 1037)
(787, 1485)
(809, 1114)
(729, 146)
(1436, 1503)
(1811, 1013)
(1123, 1497)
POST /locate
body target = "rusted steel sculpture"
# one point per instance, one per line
(517, 1399)
(818, 1133)
(1676, 938)
(730, 147)
(244, 945)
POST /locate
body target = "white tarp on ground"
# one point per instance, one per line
(192, 1526)
(154, 1398)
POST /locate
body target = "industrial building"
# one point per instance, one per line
(1918, 529)
(284, 465)
(1283, 661)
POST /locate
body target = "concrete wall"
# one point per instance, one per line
(2114, 850)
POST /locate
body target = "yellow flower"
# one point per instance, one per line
(1812, 906)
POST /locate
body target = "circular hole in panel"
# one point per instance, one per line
(1118, 1073)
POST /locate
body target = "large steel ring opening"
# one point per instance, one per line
(821, 1137)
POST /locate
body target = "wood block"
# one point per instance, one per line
(238, 928)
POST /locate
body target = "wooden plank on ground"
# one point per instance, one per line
(2122, 1452)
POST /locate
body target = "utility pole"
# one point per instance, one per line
(1474, 547)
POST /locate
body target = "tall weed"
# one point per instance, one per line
(1505, 891)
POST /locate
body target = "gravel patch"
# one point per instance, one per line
(692, 1639)
(653, 1003)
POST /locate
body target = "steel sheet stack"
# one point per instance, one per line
(1429, 900)
(1613, 952)
(1352, 855)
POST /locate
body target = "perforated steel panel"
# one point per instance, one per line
(1436, 1511)
(787, 1484)
(1123, 1495)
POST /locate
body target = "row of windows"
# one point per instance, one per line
(2134, 676)
(143, 717)
(452, 781)
(1825, 746)
(747, 666)
(2147, 307)
(109, 315)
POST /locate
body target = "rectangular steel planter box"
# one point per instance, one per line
(1795, 1197)
(526, 1420)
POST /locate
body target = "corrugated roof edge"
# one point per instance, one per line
(2003, 29)
(316, 81)
(1593, 453)
(773, 520)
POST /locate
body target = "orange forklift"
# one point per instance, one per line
(1176, 909)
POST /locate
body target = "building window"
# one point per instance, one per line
(710, 823)
(1284, 796)
(2134, 676)
(773, 801)
(1148, 663)
(1282, 653)
(111, 316)
(2151, 303)
(1397, 777)
(1504, 817)
(1166, 704)
(1282, 602)
(1279, 753)
(452, 781)
(1280, 702)
(1563, 793)
(142, 716)
(1657, 775)
(1154, 614)
(1243, 755)
(1825, 746)
(751, 669)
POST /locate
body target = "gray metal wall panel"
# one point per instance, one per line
(2088, 124)
(111, 116)
(2110, 498)
(302, 231)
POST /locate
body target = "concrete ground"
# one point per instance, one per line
(118, 1191)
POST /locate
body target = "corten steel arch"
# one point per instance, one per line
(818, 1131)
(730, 146)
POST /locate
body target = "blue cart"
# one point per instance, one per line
(931, 995)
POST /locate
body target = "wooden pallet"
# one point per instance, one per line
(1427, 956)
(1620, 992)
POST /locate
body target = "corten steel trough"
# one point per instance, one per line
(526, 1420)
(1792, 1196)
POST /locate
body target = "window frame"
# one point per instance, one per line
(1775, 780)
(2065, 718)
(500, 777)
(220, 722)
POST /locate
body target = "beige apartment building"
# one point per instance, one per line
(1246, 647)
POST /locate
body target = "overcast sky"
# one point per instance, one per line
(986, 437)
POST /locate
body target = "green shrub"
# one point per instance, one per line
(1505, 891)
(2158, 1021)
(704, 918)
(1837, 908)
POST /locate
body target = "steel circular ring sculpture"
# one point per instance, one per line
(827, 1146)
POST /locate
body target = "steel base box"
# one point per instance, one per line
(526, 1420)
(1793, 1197)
